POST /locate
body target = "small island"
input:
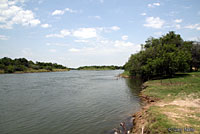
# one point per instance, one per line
(22, 65)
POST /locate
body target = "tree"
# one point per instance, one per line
(20, 68)
(195, 50)
(160, 57)
(9, 69)
(22, 64)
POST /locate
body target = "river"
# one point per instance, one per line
(73, 102)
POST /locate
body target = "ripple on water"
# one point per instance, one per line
(66, 102)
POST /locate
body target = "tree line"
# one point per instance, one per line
(112, 67)
(164, 56)
(9, 65)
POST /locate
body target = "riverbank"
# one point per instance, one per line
(96, 69)
(36, 71)
(170, 106)
(125, 74)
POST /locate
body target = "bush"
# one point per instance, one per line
(20, 68)
(49, 68)
(9, 69)
(160, 57)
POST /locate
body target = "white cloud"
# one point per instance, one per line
(63, 33)
(45, 25)
(108, 29)
(193, 26)
(194, 38)
(81, 41)
(153, 5)
(102, 51)
(143, 14)
(158, 33)
(61, 12)
(85, 33)
(27, 52)
(74, 50)
(58, 12)
(178, 20)
(115, 28)
(187, 7)
(97, 17)
(124, 37)
(154, 22)
(57, 44)
(178, 26)
(70, 10)
(11, 13)
(122, 44)
(104, 47)
(156, 4)
(52, 50)
(3, 37)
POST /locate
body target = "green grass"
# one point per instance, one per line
(158, 122)
(174, 87)
(184, 87)
(125, 74)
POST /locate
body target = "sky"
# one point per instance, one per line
(90, 32)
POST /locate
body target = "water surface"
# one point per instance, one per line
(73, 102)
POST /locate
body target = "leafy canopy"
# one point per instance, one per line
(163, 57)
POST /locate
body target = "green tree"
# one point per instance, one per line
(20, 68)
(160, 57)
(9, 69)
(195, 50)
(49, 68)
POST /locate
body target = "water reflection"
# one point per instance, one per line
(133, 89)
(134, 85)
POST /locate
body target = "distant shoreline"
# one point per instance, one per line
(57, 70)
(96, 69)
(36, 71)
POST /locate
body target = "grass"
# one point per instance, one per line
(158, 122)
(125, 74)
(174, 87)
(178, 105)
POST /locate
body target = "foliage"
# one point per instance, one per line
(9, 69)
(195, 50)
(99, 67)
(164, 57)
(21, 64)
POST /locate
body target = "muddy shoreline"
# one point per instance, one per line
(140, 117)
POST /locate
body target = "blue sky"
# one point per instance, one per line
(90, 32)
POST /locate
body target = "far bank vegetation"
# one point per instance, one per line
(112, 67)
(22, 65)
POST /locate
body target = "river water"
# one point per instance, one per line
(73, 102)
